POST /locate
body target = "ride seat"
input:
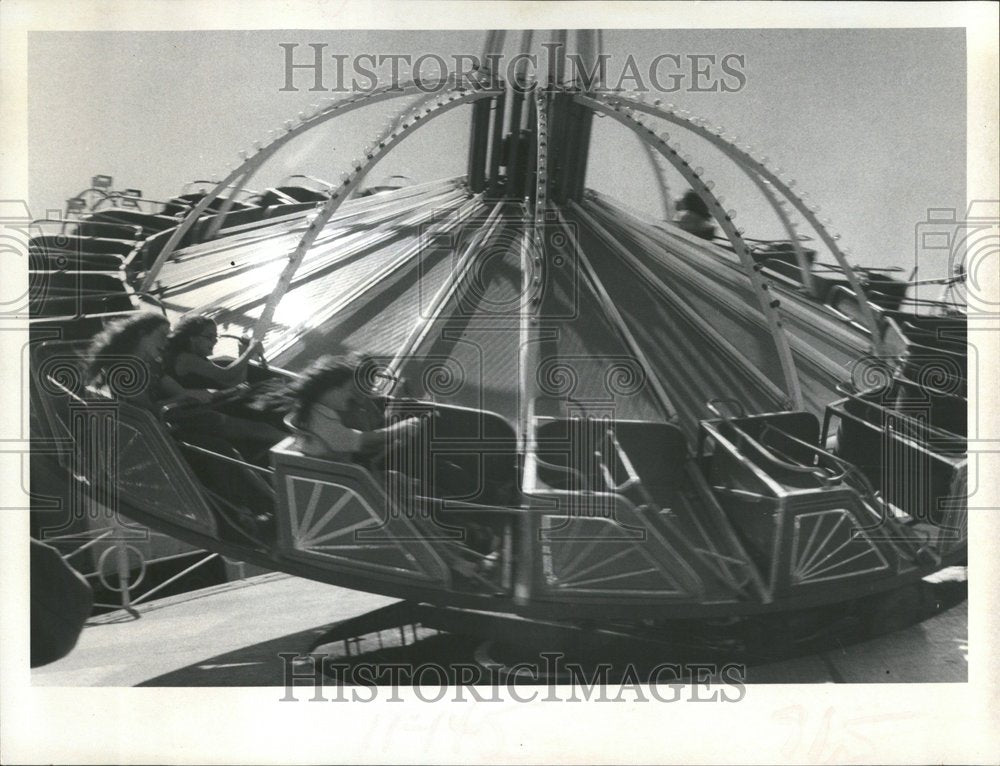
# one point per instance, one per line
(62, 293)
(80, 244)
(51, 258)
(603, 456)
(782, 445)
(872, 436)
(471, 453)
(149, 222)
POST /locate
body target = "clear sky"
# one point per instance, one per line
(870, 122)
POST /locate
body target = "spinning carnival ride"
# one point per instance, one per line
(650, 424)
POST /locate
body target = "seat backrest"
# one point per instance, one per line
(150, 222)
(472, 453)
(799, 425)
(81, 244)
(108, 230)
(57, 378)
(568, 451)
(658, 451)
(772, 442)
(74, 293)
(565, 452)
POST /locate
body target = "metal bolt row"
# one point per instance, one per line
(701, 124)
(704, 189)
(541, 197)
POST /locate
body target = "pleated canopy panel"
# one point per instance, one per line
(369, 257)
(825, 347)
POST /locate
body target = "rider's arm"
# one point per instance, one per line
(373, 440)
(327, 426)
(223, 377)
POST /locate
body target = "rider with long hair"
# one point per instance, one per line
(187, 359)
(187, 355)
(335, 417)
(137, 342)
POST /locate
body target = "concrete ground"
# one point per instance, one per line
(231, 635)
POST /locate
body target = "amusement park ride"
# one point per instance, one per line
(653, 424)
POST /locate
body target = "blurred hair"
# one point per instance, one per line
(179, 340)
(118, 339)
(300, 395)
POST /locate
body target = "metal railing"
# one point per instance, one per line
(121, 553)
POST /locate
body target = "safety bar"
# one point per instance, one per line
(240, 190)
(133, 228)
(818, 451)
(767, 454)
(584, 481)
(268, 472)
(119, 195)
(925, 431)
(633, 476)
(318, 181)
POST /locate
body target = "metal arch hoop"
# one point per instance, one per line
(757, 170)
(766, 301)
(455, 98)
(663, 186)
(541, 165)
(532, 265)
(238, 178)
(736, 155)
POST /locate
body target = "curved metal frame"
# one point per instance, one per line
(753, 167)
(241, 175)
(663, 186)
(453, 100)
(532, 282)
(722, 343)
(768, 303)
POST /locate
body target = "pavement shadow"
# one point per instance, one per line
(412, 654)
